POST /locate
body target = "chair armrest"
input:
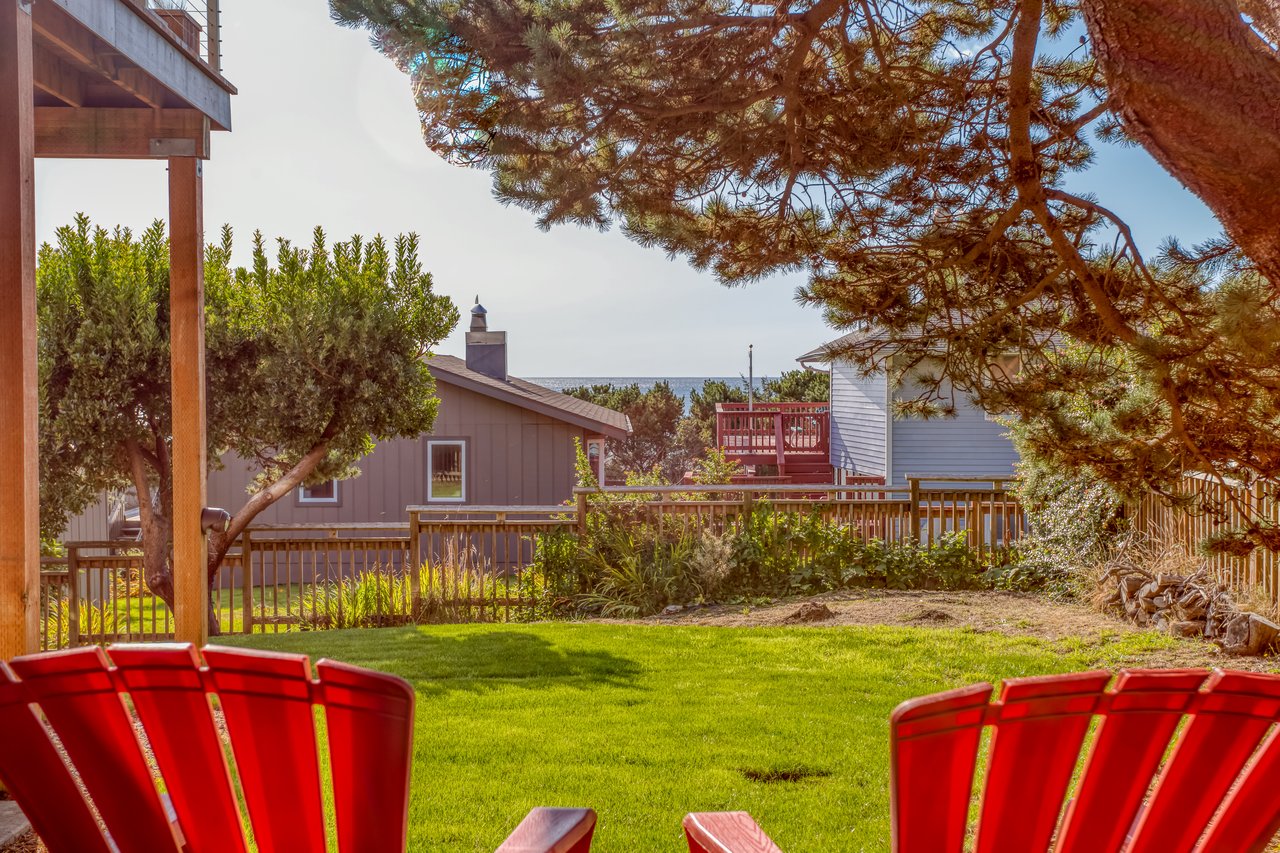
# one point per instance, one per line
(726, 832)
(545, 830)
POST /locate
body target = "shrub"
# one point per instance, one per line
(1074, 521)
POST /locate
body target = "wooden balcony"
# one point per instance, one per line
(794, 437)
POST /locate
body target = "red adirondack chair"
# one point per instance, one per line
(1217, 790)
(266, 708)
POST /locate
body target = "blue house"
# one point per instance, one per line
(868, 441)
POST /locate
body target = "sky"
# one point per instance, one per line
(325, 133)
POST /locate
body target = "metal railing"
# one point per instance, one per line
(196, 24)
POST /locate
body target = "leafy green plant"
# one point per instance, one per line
(638, 570)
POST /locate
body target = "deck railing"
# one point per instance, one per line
(196, 23)
(773, 429)
(473, 563)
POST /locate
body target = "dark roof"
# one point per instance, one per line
(527, 395)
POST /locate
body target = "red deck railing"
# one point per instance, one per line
(773, 433)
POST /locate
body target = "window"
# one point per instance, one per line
(321, 493)
(595, 455)
(446, 471)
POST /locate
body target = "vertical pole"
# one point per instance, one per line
(246, 584)
(582, 517)
(186, 355)
(415, 564)
(19, 460)
(751, 378)
(913, 511)
(73, 589)
(214, 37)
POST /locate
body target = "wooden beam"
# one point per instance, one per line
(57, 78)
(134, 37)
(186, 355)
(62, 33)
(121, 133)
(19, 458)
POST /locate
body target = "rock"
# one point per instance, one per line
(812, 611)
(672, 609)
(1187, 628)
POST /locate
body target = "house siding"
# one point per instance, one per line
(961, 446)
(857, 421)
(92, 525)
(514, 457)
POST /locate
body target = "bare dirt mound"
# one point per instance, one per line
(1011, 613)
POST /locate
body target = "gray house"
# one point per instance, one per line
(497, 441)
(868, 441)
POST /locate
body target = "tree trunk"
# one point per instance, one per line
(1200, 91)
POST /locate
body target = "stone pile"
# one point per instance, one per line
(1187, 606)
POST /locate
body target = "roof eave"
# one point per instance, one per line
(443, 374)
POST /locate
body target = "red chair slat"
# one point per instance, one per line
(935, 741)
(546, 830)
(266, 699)
(726, 832)
(1250, 816)
(1039, 727)
(369, 717)
(1232, 716)
(37, 777)
(78, 695)
(1144, 711)
(168, 691)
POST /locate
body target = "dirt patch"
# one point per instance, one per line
(811, 611)
(792, 774)
(931, 614)
(26, 844)
(1011, 613)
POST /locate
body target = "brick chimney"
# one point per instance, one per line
(486, 350)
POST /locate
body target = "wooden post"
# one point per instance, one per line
(246, 584)
(214, 37)
(415, 564)
(19, 460)
(73, 596)
(186, 353)
(582, 516)
(913, 511)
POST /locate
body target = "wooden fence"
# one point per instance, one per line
(474, 558)
(472, 561)
(927, 509)
(1187, 526)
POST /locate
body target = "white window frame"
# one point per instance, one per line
(462, 461)
(604, 448)
(304, 500)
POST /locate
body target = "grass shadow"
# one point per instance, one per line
(436, 662)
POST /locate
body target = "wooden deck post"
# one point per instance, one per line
(415, 565)
(186, 353)
(913, 512)
(19, 392)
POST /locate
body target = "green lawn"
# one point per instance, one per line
(645, 723)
